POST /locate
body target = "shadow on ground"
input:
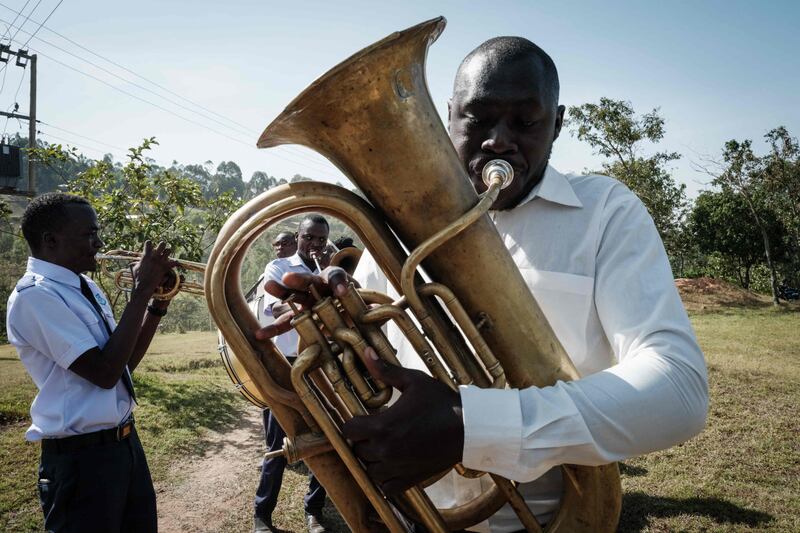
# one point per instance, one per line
(190, 409)
(631, 470)
(638, 508)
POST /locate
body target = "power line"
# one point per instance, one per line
(32, 35)
(2, 86)
(284, 157)
(140, 98)
(249, 131)
(18, 13)
(123, 150)
(243, 129)
(21, 79)
(24, 70)
(26, 19)
(306, 161)
(72, 143)
(114, 74)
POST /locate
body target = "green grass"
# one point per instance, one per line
(741, 474)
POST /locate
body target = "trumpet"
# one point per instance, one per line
(123, 276)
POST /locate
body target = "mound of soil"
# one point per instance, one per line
(704, 294)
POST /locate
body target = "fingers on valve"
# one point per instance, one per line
(277, 290)
(280, 326)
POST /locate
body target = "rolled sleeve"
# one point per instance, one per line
(45, 322)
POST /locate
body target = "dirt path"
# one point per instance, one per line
(214, 492)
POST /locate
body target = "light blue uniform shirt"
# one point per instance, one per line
(287, 342)
(51, 324)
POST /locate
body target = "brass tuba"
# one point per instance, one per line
(372, 116)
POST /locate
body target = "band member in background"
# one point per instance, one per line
(93, 474)
(284, 244)
(344, 242)
(311, 250)
(593, 259)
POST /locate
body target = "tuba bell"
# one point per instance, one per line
(376, 99)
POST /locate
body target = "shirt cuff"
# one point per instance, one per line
(492, 428)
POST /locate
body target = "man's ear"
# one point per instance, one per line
(49, 240)
(559, 121)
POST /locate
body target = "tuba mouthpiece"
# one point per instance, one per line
(498, 169)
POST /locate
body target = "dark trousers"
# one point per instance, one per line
(272, 474)
(105, 488)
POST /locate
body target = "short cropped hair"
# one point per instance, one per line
(344, 242)
(506, 50)
(47, 213)
(313, 218)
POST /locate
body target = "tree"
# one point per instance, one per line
(228, 178)
(259, 182)
(782, 182)
(5, 213)
(613, 131)
(139, 201)
(51, 178)
(720, 222)
(198, 173)
(742, 172)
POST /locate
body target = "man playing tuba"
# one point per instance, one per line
(592, 257)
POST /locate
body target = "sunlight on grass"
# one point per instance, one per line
(183, 392)
(740, 474)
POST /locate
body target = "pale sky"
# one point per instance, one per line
(717, 70)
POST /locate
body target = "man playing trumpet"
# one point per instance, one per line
(93, 474)
(310, 254)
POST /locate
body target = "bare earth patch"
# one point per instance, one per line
(214, 492)
(709, 294)
(204, 492)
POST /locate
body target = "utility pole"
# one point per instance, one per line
(23, 60)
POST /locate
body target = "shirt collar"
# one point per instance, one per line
(53, 272)
(553, 187)
(296, 261)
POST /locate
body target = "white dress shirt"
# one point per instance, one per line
(51, 324)
(287, 342)
(595, 263)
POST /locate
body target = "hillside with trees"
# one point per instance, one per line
(138, 200)
(745, 229)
